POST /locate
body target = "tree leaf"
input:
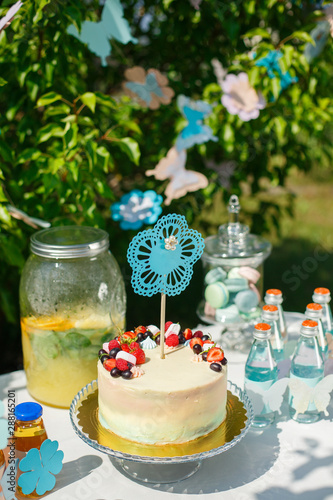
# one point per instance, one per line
(89, 99)
(130, 147)
(48, 99)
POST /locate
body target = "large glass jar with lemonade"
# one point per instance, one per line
(72, 299)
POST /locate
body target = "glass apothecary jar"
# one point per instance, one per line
(233, 274)
(72, 299)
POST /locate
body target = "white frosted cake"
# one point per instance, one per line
(159, 401)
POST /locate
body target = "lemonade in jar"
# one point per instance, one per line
(72, 299)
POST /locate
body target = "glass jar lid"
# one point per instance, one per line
(234, 241)
(68, 242)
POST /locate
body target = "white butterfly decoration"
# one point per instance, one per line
(269, 400)
(10, 14)
(31, 221)
(182, 181)
(303, 395)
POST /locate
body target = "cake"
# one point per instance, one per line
(160, 401)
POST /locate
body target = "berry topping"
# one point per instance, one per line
(181, 338)
(195, 340)
(113, 343)
(172, 340)
(197, 348)
(173, 329)
(127, 374)
(167, 324)
(224, 361)
(216, 367)
(113, 353)
(104, 358)
(207, 345)
(187, 333)
(141, 336)
(122, 365)
(215, 354)
(128, 336)
(140, 356)
(198, 334)
(109, 364)
(125, 347)
(205, 337)
(115, 373)
(134, 345)
(101, 353)
(157, 339)
(140, 329)
(204, 356)
(127, 357)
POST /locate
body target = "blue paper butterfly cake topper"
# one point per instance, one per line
(162, 259)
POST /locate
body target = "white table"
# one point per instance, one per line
(287, 461)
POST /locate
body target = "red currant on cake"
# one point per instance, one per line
(134, 345)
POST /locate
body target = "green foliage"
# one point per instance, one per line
(71, 144)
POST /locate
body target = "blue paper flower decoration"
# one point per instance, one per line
(137, 208)
(271, 63)
(162, 258)
(195, 132)
(39, 467)
(4, 434)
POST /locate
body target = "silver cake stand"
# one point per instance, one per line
(159, 464)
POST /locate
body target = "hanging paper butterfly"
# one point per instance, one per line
(266, 401)
(10, 14)
(182, 181)
(97, 35)
(305, 397)
(224, 171)
(195, 132)
(150, 88)
(31, 221)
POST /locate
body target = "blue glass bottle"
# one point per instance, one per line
(270, 315)
(260, 374)
(307, 367)
(322, 296)
(315, 312)
(274, 297)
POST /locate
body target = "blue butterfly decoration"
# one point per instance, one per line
(144, 90)
(97, 35)
(195, 131)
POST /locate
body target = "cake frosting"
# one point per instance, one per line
(171, 400)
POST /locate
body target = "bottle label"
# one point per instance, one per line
(301, 394)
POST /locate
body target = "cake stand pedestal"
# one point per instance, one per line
(157, 473)
(160, 464)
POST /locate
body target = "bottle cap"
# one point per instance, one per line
(309, 328)
(273, 296)
(28, 411)
(313, 311)
(270, 312)
(262, 331)
(321, 295)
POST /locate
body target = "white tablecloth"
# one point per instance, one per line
(287, 461)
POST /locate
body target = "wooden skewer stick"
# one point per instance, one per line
(162, 325)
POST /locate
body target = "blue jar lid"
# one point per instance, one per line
(28, 411)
